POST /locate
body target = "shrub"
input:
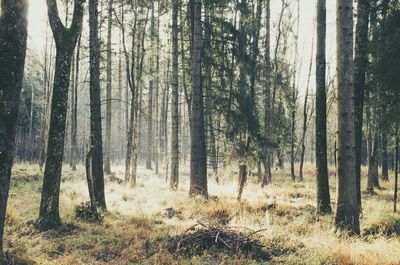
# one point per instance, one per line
(89, 213)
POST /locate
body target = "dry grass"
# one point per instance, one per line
(140, 222)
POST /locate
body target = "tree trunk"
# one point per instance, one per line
(74, 111)
(385, 163)
(347, 212)
(13, 36)
(140, 53)
(242, 180)
(198, 158)
(267, 96)
(49, 216)
(96, 145)
(157, 101)
(305, 116)
(323, 196)
(150, 146)
(293, 134)
(360, 65)
(396, 169)
(174, 180)
(107, 140)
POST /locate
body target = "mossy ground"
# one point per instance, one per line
(139, 222)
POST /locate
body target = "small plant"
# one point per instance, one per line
(89, 213)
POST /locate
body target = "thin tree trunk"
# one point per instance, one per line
(267, 96)
(396, 170)
(305, 118)
(360, 64)
(96, 145)
(385, 163)
(74, 111)
(157, 101)
(140, 54)
(107, 140)
(150, 146)
(323, 196)
(174, 180)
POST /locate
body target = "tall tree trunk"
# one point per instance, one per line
(96, 146)
(293, 133)
(396, 170)
(360, 65)
(150, 135)
(174, 180)
(305, 117)
(157, 100)
(65, 39)
(74, 111)
(198, 158)
(140, 53)
(267, 96)
(385, 162)
(347, 212)
(243, 97)
(323, 196)
(45, 107)
(184, 66)
(13, 36)
(150, 146)
(107, 140)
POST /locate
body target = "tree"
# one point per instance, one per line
(150, 121)
(323, 196)
(94, 159)
(347, 212)
(360, 65)
(267, 95)
(107, 141)
(174, 180)
(13, 37)
(198, 158)
(74, 111)
(65, 39)
(388, 77)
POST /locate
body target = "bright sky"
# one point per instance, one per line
(38, 20)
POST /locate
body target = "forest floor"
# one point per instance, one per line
(153, 225)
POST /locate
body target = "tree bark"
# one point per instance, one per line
(347, 212)
(198, 158)
(323, 195)
(396, 170)
(150, 145)
(96, 144)
(267, 96)
(360, 65)
(305, 118)
(65, 39)
(174, 179)
(13, 38)
(107, 140)
(385, 162)
(74, 111)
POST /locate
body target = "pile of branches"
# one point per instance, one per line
(202, 238)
